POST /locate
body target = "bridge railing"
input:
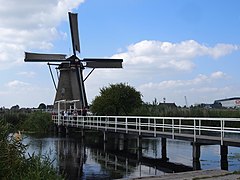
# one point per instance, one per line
(217, 127)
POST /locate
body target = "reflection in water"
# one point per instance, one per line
(71, 157)
(90, 158)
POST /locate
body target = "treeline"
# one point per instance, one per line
(31, 121)
(171, 110)
(124, 100)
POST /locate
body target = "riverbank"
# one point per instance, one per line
(194, 175)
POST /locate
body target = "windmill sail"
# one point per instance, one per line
(74, 32)
(37, 57)
(103, 63)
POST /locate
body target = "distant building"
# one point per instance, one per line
(49, 108)
(170, 105)
(229, 102)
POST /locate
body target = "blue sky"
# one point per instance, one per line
(171, 48)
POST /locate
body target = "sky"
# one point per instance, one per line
(184, 51)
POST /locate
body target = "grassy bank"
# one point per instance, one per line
(15, 164)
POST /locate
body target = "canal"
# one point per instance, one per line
(89, 157)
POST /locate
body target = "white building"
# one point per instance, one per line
(229, 102)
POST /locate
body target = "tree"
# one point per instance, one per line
(37, 121)
(42, 106)
(15, 108)
(118, 99)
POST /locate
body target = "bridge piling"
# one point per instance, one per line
(164, 149)
(82, 133)
(125, 143)
(104, 136)
(224, 159)
(196, 151)
(59, 129)
(119, 142)
(66, 130)
(139, 147)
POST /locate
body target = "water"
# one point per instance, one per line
(90, 158)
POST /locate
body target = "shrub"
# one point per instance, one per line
(13, 161)
(37, 121)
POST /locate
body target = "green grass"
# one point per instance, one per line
(14, 164)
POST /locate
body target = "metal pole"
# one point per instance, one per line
(52, 76)
(139, 126)
(115, 124)
(59, 116)
(194, 130)
(154, 127)
(126, 125)
(180, 124)
(172, 128)
(199, 126)
(221, 121)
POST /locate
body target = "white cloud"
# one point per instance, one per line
(218, 75)
(206, 90)
(167, 55)
(199, 80)
(30, 24)
(201, 89)
(29, 74)
(222, 50)
(17, 84)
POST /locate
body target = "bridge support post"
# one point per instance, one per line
(224, 159)
(59, 129)
(66, 130)
(55, 128)
(104, 136)
(119, 142)
(196, 155)
(104, 141)
(164, 149)
(139, 147)
(125, 142)
(82, 133)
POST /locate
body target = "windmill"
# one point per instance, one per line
(71, 81)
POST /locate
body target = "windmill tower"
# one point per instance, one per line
(71, 82)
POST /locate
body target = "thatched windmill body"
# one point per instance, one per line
(71, 81)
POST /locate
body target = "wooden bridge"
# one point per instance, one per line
(222, 131)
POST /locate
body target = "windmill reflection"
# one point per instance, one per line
(70, 157)
(116, 158)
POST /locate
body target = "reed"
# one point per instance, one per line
(15, 164)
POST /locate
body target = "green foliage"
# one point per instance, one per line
(118, 99)
(42, 106)
(13, 161)
(37, 167)
(168, 110)
(37, 121)
(156, 109)
(15, 118)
